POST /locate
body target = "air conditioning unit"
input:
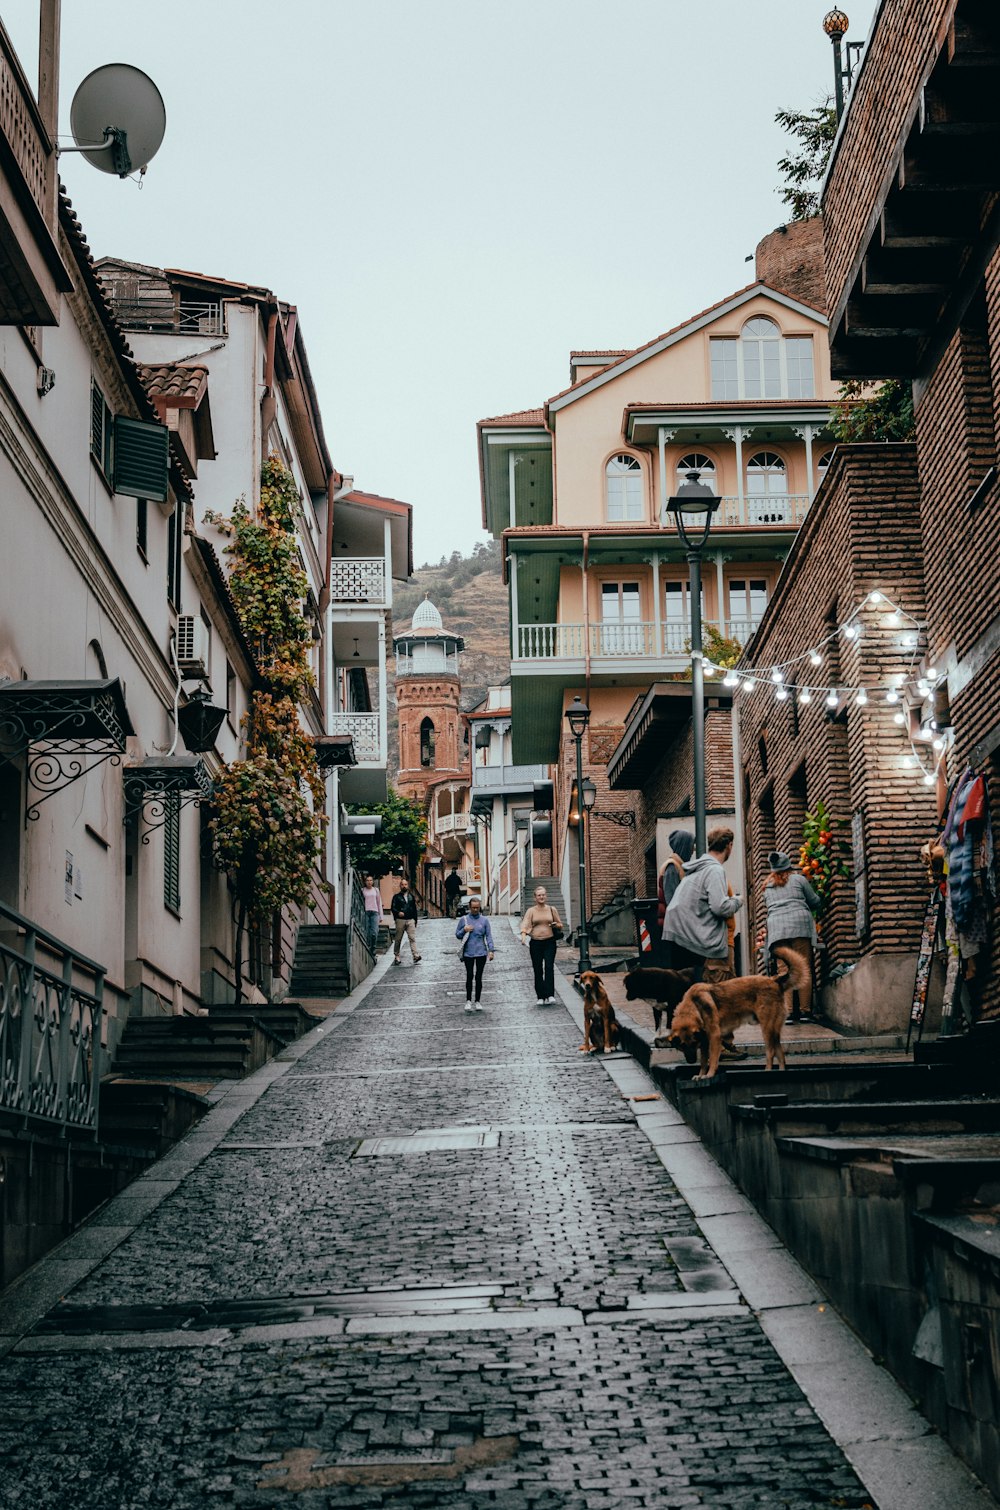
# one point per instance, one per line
(192, 645)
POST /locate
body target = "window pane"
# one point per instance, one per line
(630, 600)
(609, 602)
(676, 602)
(799, 357)
(725, 371)
(758, 599)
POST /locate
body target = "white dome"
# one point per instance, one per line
(427, 618)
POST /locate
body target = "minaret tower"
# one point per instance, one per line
(427, 696)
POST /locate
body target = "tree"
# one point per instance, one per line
(803, 169)
(402, 840)
(266, 833)
(884, 414)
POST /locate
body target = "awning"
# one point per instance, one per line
(653, 723)
(157, 787)
(334, 750)
(71, 721)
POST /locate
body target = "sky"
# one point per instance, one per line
(455, 194)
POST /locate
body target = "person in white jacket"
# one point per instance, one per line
(696, 917)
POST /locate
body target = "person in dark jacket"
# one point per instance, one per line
(404, 914)
(671, 876)
(477, 947)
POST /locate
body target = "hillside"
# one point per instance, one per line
(472, 599)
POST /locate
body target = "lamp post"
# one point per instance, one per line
(578, 717)
(695, 501)
(835, 24)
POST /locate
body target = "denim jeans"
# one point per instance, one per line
(372, 921)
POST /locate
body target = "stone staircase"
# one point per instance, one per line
(231, 1042)
(322, 965)
(144, 1118)
(552, 887)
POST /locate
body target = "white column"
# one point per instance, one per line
(331, 691)
(738, 433)
(807, 432)
(515, 622)
(722, 616)
(661, 444)
(383, 695)
(387, 552)
(657, 627)
(511, 473)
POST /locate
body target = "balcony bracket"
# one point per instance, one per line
(65, 729)
(157, 788)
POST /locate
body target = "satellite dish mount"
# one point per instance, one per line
(120, 94)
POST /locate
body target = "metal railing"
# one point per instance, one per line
(358, 919)
(499, 777)
(451, 823)
(608, 642)
(364, 729)
(50, 1027)
(357, 579)
(157, 310)
(757, 511)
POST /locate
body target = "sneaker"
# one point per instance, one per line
(417, 958)
(480, 1007)
(468, 1006)
(396, 960)
(542, 1001)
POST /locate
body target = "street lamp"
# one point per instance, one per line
(694, 501)
(835, 24)
(578, 717)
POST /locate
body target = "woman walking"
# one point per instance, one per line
(373, 911)
(790, 902)
(538, 931)
(477, 948)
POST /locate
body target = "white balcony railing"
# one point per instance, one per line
(780, 511)
(610, 643)
(358, 579)
(364, 729)
(499, 777)
(451, 823)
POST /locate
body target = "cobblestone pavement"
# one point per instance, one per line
(310, 1320)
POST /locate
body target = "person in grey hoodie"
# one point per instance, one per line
(697, 914)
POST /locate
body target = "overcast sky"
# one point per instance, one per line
(455, 193)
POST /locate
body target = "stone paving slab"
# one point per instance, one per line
(613, 1360)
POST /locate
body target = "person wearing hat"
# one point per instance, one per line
(671, 876)
(790, 903)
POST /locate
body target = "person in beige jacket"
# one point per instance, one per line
(537, 932)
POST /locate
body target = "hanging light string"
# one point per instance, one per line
(775, 677)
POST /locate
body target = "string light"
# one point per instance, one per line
(899, 718)
(932, 673)
(831, 698)
(777, 675)
(749, 685)
(853, 631)
(929, 778)
(875, 597)
(892, 696)
(862, 697)
(781, 694)
(815, 659)
(805, 696)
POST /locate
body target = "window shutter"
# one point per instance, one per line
(96, 422)
(172, 853)
(141, 459)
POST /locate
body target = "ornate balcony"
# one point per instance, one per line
(358, 579)
(636, 645)
(776, 511)
(365, 730)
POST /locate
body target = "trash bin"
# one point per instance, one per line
(647, 933)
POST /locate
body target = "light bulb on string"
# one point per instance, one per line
(777, 676)
(893, 620)
(781, 694)
(749, 684)
(909, 761)
(932, 673)
(862, 697)
(831, 698)
(815, 659)
(730, 679)
(937, 744)
(853, 631)
(909, 641)
(923, 687)
(926, 733)
(892, 696)
(899, 718)
(929, 778)
(875, 597)
(805, 696)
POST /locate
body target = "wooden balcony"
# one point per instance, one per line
(32, 274)
(646, 649)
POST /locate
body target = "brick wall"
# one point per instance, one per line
(861, 534)
(907, 38)
(790, 260)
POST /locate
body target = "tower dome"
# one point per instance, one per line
(427, 619)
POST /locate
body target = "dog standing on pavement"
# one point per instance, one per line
(663, 990)
(707, 1013)
(600, 1025)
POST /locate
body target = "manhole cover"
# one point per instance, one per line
(433, 1141)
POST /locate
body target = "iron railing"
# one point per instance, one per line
(20, 124)
(50, 1028)
(364, 729)
(156, 309)
(358, 579)
(358, 920)
(613, 642)
(757, 511)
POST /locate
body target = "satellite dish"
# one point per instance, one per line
(118, 119)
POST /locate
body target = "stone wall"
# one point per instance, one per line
(790, 260)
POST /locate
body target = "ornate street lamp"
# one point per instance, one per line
(199, 722)
(694, 501)
(578, 717)
(835, 24)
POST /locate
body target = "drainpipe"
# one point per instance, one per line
(585, 588)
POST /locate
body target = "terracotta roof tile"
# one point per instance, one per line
(182, 387)
(519, 417)
(585, 355)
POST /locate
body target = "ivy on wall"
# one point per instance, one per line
(267, 834)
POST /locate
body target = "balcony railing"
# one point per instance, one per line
(19, 124)
(50, 1027)
(451, 823)
(364, 729)
(500, 777)
(156, 309)
(612, 643)
(358, 579)
(782, 511)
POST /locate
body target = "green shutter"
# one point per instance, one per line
(172, 853)
(141, 459)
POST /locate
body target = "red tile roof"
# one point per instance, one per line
(178, 386)
(376, 501)
(519, 417)
(584, 356)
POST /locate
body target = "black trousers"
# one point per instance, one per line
(475, 965)
(543, 957)
(685, 959)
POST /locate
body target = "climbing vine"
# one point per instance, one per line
(266, 832)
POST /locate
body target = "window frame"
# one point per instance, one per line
(634, 468)
(102, 433)
(722, 348)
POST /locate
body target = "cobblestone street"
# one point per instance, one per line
(297, 1307)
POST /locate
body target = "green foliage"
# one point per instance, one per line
(820, 853)
(404, 833)
(884, 414)
(266, 834)
(449, 576)
(720, 649)
(803, 167)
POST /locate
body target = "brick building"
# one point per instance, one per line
(912, 248)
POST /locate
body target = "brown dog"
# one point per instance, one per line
(663, 990)
(707, 1013)
(599, 1020)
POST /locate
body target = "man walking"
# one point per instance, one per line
(452, 891)
(404, 914)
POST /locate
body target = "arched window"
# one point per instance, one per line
(427, 742)
(823, 463)
(697, 462)
(767, 489)
(761, 342)
(623, 489)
